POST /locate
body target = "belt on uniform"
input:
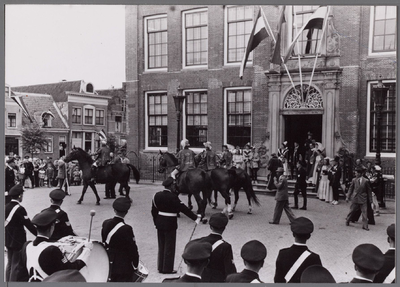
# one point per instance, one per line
(170, 214)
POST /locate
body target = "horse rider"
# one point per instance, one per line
(103, 157)
(186, 159)
(209, 157)
(226, 160)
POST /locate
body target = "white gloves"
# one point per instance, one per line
(198, 219)
(87, 248)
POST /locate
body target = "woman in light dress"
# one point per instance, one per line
(324, 190)
(315, 176)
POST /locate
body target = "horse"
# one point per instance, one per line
(110, 174)
(193, 181)
(239, 180)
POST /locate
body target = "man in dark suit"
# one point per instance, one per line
(9, 177)
(253, 254)
(28, 171)
(15, 236)
(273, 164)
(388, 272)
(63, 226)
(300, 186)
(221, 260)
(120, 243)
(295, 156)
(292, 261)
(334, 179)
(362, 193)
(282, 198)
(165, 208)
(41, 258)
(368, 260)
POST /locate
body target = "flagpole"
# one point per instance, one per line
(319, 46)
(298, 56)
(273, 38)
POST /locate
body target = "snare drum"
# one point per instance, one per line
(141, 273)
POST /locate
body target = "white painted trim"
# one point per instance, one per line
(75, 107)
(184, 66)
(146, 121)
(371, 35)
(88, 107)
(145, 36)
(368, 153)
(87, 100)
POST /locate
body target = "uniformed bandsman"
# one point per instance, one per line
(165, 208)
(292, 261)
(9, 177)
(120, 243)
(388, 272)
(253, 254)
(41, 258)
(368, 260)
(63, 226)
(316, 274)
(65, 276)
(221, 260)
(15, 235)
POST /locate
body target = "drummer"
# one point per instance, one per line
(63, 226)
(42, 258)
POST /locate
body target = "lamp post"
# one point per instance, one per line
(178, 101)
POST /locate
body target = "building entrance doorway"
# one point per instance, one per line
(297, 127)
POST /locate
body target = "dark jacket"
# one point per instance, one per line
(335, 174)
(388, 265)
(282, 189)
(301, 179)
(63, 226)
(187, 278)
(28, 168)
(246, 276)
(362, 192)
(9, 178)
(186, 159)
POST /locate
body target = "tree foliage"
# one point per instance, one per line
(33, 139)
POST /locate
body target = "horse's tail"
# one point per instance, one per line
(248, 188)
(136, 173)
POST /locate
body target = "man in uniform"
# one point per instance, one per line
(300, 186)
(388, 272)
(253, 254)
(165, 208)
(209, 157)
(103, 157)
(335, 175)
(368, 260)
(15, 236)
(362, 193)
(186, 159)
(292, 261)
(121, 244)
(221, 260)
(40, 258)
(63, 226)
(28, 171)
(9, 177)
(226, 160)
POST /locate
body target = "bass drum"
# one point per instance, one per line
(97, 267)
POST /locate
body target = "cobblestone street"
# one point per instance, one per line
(331, 238)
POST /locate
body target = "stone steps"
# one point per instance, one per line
(261, 187)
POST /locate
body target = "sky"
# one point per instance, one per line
(51, 43)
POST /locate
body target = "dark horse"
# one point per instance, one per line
(193, 181)
(239, 180)
(110, 174)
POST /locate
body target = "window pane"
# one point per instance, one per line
(232, 14)
(390, 26)
(189, 20)
(379, 27)
(204, 18)
(379, 12)
(390, 12)
(378, 43)
(248, 12)
(232, 29)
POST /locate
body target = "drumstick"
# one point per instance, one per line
(92, 213)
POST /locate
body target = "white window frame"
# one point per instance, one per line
(371, 36)
(146, 60)
(369, 102)
(10, 127)
(89, 107)
(104, 117)
(226, 111)
(226, 34)
(184, 66)
(49, 139)
(146, 121)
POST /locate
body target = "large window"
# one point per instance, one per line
(239, 25)
(157, 42)
(158, 120)
(196, 118)
(88, 144)
(49, 146)
(309, 39)
(76, 115)
(384, 29)
(77, 139)
(196, 37)
(100, 117)
(388, 122)
(88, 116)
(12, 120)
(239, 117)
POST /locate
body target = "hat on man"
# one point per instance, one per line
(218, 220)
(280, 169)
(16, 190)
(309, 133)
(45, 218)
(57, 194)
(10, 160)
(168, 182)
(377, 168)
(207, 144)
(316, 274)
(27, 156)
(69, 275)
(122, 204)
(302, 225)
(369, 257)
(360, 168)
(273, 155)
(253, 251)
(391, 231)
(197, 250)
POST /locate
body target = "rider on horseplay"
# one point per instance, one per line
(186, 159)
(209, 157)
(103, 157)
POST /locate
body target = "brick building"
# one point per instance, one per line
(199, 49)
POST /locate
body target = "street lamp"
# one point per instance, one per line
(178, 101)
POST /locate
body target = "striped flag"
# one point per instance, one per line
(314, 22)
(21, 104)
(102, 134)
(276, 55)
(258, 34)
